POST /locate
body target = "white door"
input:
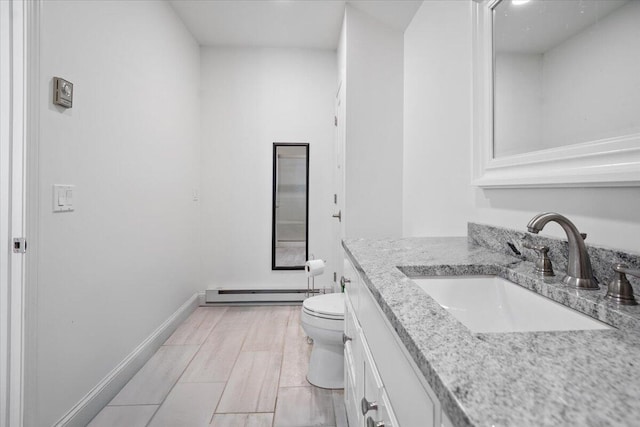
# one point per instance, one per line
(12, 160)
(338, 185)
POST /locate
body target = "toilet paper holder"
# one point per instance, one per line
(313, 268)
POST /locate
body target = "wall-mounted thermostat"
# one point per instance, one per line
(62, 92)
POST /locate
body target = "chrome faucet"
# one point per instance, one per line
(579, 274)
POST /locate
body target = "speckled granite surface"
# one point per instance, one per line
(580, 378)
(602, 259)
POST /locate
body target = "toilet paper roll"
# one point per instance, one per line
(314, 267)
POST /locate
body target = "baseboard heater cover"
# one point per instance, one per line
(257, 295)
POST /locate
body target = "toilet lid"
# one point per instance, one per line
(329, 304)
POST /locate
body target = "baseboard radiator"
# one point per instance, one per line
(213, 296)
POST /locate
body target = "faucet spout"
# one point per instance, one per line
(579, 274)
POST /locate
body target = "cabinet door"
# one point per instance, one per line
(414, 402)
(350, 396)
(385, 415)
(353, 366)
(352, 284)
(446, 422)
(392, 378)
(350, 331)
(370, 403)
(354, 337)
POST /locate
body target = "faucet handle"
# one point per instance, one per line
(543, 263)
(620, 290)
(624, 269)
(537, 248)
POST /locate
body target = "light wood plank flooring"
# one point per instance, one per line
(228, 367)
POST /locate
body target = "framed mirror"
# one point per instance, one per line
(556, 93)
(290, 224)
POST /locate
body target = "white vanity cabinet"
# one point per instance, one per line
(383, 386)
(353, 356)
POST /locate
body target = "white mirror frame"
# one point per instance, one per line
(612, 162)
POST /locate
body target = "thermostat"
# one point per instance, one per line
(62, 92)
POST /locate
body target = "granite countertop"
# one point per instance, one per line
(581, 378)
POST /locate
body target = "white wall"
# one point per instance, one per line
(438, 198)
(252, 98)
(112, 271)
(373, 162)
(341, 52)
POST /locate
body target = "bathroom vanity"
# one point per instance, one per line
(386, 389)
(409, 362)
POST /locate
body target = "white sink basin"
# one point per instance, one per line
(493, 304)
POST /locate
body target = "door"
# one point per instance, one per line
(338, 185)
(13, 130)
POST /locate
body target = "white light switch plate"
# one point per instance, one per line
(63, 197)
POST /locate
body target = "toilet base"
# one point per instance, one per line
(326, 366)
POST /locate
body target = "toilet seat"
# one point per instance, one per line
(328, 306)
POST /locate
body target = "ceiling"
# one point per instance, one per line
(282, 23)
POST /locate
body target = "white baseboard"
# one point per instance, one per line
(89, 406)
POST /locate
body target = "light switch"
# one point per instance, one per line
(63, 198)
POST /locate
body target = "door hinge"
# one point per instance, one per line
(335, 199)
(335, 277)
(335, 120)
(19, 245)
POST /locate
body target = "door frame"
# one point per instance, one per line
(19, 50)
(339, 182)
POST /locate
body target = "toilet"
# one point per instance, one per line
(322, 319)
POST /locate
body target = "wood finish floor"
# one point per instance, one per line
(228, 367)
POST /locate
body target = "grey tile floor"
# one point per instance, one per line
(228, 367)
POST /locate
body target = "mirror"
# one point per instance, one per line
(290, 224)
(557, 93)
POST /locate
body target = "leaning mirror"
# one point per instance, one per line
(290, 226)
(557, 93)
